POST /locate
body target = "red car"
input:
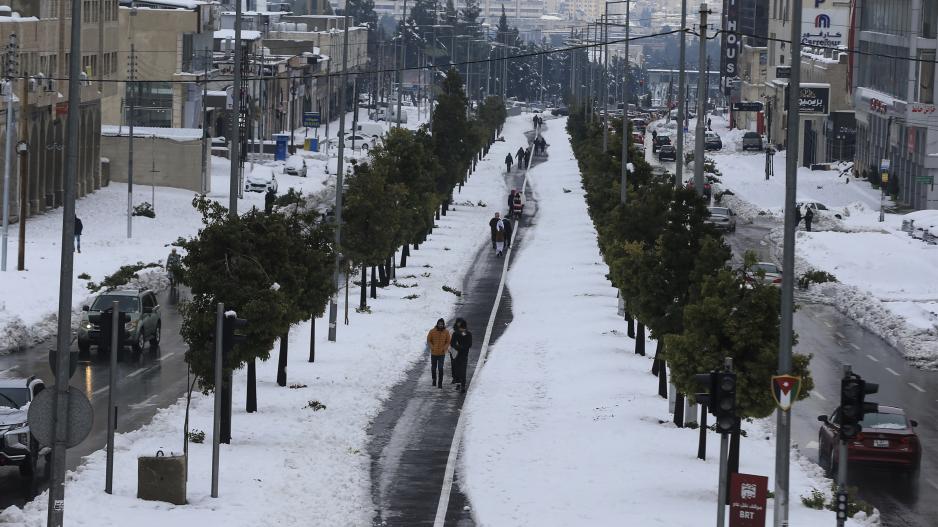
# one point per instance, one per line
(638, 138)
(887, 439)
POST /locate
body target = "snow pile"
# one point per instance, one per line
(565, 426)
(294, 462)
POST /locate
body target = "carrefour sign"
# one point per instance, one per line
(824, 24)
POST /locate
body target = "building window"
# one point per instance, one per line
(929, 18)
(926, 76)
(887, 16)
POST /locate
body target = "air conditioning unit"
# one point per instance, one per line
(35, 82)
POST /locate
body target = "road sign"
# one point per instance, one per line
(72, 362)
(783, 72)
(885, 177)
(80, 417)
(747, 106)
(311, 119)
(785, 390)
(930, 180)
(747, 500)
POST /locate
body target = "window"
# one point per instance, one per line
(887, 16)
(929, 18)
(926, 76)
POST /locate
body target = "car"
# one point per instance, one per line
(765, 272)
(667, 153)
(712, 141)
(18, 447)
(663, 138)
(291, 169)
(557, 112)
(722, 218)
(707, 190)
(887, 438)
(638, 138)
(258, 182)
(144, 324)
(816, 206)
(752, 141)
(639, 125)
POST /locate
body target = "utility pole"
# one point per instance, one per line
(205, 135)
(8, 155)
(111, 394)
(334, 301)
(605, 87)
(682, 98)
(624, 190)
(234, 152)
(23, 149)
(56, 506)
(884, 175)
(400, 88)
(783, 425)
(130, 118)
(701, 105)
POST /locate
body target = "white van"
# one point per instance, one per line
(371, 129)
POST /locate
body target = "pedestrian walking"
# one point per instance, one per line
(527, 158)
(508, 228)
(654, 137)
(511, 200)
(517, 205)
(493, 225)
(797, 216)
(808, 217)
(500, 237)
(269, 199)
(438, 340)
(78, 228)
(520, 156)
(459, 353)
(708, 124)
(508, 162)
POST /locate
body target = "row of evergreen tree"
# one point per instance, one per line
(672, 270)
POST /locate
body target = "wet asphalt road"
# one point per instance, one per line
(154, 379)
(412, 435)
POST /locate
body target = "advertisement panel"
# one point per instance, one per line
(730, 44)
(823, 24)
(812, 99)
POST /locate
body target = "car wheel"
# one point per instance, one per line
(155, 339)
(141, 341)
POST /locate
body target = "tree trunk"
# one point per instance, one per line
(374, 282)
(655, 364)
(363, 301)
(640, 339)
(382, 275)
(405, 252)
(444, 207)
(282, 359)
(438, 212)
(250, 403)
(663, 379)
(392, 266)
(312, 339)
(416, 248)
(679, 410)
(631, 327)
(702, 442)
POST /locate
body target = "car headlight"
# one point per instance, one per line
(86, 325)
(23, 438)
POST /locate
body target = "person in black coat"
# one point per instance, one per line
(493, 224)
(78, 228)
(460, 344)
(808, 218)
(508, 161)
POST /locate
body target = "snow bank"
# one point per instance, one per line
(289, 464)
(565, 426)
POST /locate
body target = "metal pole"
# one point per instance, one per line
(783, 433)
(24, 179)
(624, 187)
(721, 493)
(842, 457)
(130, 140)
(8, 155)
(701, 105)
(400, 88)
(205, 134)
(605, 87)
(682, 93)
(333, 302)
(882, 184)
(235, 148)
(216, 418)
(56, 507)
(112, 396)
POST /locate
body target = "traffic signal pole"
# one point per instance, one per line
(216, 426)
(724, 437)
(112, 395)
(842, 460)
(701, 104)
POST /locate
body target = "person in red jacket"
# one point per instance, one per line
(438, 340)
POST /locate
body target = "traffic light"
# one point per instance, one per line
(840, 505)
(106, 327)
(230, 335)
(724, 401)
(853, 405)
(705, 381)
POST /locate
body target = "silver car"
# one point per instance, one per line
(143, 310)
(766, 272)
(722, 218)
(18, 447)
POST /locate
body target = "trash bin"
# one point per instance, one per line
(312, 144)
(162, 478)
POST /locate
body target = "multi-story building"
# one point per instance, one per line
(42, 35)
(894, 96)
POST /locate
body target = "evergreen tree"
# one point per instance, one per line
(362, 12)
(451, 136)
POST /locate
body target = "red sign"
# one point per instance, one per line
(747, 500)
(61, 108)
(878, 106)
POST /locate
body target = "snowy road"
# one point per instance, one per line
(149, 382)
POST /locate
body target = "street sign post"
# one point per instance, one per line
(928, 180)
(312, 119)
(748, 495)
(80, 417)
(72, 362)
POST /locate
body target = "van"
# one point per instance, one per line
(371, 129)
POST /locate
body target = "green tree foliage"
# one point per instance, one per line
(273, 270)
(362, 12)
(372, 214)
(451, 138)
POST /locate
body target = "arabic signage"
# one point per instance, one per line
(747, 106)
(824, 25)
(812, 99)
(783, 72)
(920, 108)
(730, 44)
(748, 494)
(878, 106)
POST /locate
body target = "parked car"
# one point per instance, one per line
(667, 153)
(723, 218)
(292, 169)
(556, 112)
(707, 190)
(766, 272)
(663, 138)
(18, 447)
(887, 439)
(639, 125)
(752, 141)
(816, 206)
(371, 129)
(258, 182)
(712, 141)
(638, 138)
(143, 310)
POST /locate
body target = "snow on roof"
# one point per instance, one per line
(186, 4)
(174, 134)
(216, 93)
(550, 17)
(246, 34)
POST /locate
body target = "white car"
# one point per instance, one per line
(260, 183)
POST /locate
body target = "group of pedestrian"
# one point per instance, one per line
(501, 234)
(538, 121)
(807, 215)
(540, 146)
(523, 159)
(440, 343)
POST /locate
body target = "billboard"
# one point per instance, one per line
(813, 99)
(730, 43)
(823, 24)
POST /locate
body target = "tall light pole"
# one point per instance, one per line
(783, 417)
(8, 155)
(701, 105)
(400, 73)
(682, 101)
(235, 149)
(623, 191)
(333, 302)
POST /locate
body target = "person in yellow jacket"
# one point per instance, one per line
(438, 340)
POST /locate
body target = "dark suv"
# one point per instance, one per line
(667, 153)
(143, 310)
(752, 140)
(659, 140)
